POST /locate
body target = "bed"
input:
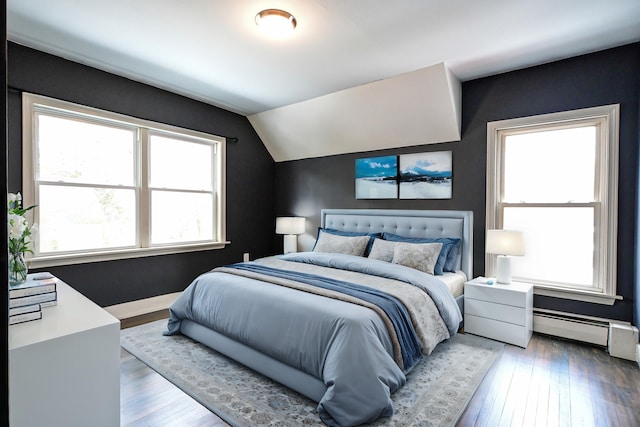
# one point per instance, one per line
(348, 350)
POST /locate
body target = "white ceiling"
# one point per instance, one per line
(210, 50)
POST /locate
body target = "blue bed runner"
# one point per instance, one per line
(410, 347)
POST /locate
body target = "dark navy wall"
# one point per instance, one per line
(260, 189)
(608, 77)
(250, 172)
(602, 78)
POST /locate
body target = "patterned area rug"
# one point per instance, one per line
(436, 393)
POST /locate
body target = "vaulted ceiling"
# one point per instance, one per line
(210, 50)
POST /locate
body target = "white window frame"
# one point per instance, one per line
(606, 206)
(32, 103)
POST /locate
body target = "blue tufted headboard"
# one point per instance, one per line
(411, 223)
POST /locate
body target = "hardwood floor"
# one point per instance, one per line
(556, 382)
(147, 399)
(552, 382)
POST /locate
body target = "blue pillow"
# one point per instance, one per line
(450, 265)
(447, 255)
(372, 236)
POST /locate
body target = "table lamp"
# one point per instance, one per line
(504, 243)
(290, 226)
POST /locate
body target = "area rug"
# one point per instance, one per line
(436, 393)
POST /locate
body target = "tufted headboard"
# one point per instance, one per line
(411, 223)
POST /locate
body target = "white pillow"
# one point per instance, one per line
(348, 245)
(382, 250)
(421, 256)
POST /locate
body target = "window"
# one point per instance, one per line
(109, 186)
(554, 177)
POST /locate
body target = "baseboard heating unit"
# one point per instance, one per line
(572, 326)
(620, 338)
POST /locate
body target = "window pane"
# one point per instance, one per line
(84, 152)
(554, 167)
(81, 218)
(178, 164)
(559, 244)
(181, 217)
(109, 186)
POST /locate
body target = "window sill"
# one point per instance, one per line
(83, 258)
(576, 295)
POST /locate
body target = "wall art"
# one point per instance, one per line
(377, 178)
(426, 175)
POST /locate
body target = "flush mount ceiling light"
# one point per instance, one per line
(275, 22)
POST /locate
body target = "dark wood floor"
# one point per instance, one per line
(550, 383)
(147, 399)
(557, 382)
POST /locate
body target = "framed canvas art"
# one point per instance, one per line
(377, 178)
(426, 175)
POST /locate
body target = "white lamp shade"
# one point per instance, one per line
(505, 242)
(289, 225)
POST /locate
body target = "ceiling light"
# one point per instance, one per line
(275, 22)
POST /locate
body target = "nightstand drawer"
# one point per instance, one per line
(490, 310)
(499, 331)
(514, 294)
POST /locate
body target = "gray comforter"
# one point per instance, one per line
(347, 346)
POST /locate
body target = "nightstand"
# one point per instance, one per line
(500, 312)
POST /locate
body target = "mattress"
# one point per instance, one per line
(455, 282)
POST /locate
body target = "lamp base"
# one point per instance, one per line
(290, 243)
(503, 275)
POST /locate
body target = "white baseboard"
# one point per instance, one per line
(142, 311)
(620, 338)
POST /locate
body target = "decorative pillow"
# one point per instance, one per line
(382, 250)
(450, 265)
(447, 258)
(372, 236)
(421, 256)
(348, 245)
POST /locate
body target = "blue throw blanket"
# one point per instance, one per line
(394, 309)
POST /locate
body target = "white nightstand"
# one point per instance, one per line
(500, 312)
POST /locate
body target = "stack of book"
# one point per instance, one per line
(27, 300)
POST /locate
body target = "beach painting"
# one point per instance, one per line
(426, 175)
(377, 178)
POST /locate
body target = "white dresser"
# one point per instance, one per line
(500, 312)
(64, 369)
